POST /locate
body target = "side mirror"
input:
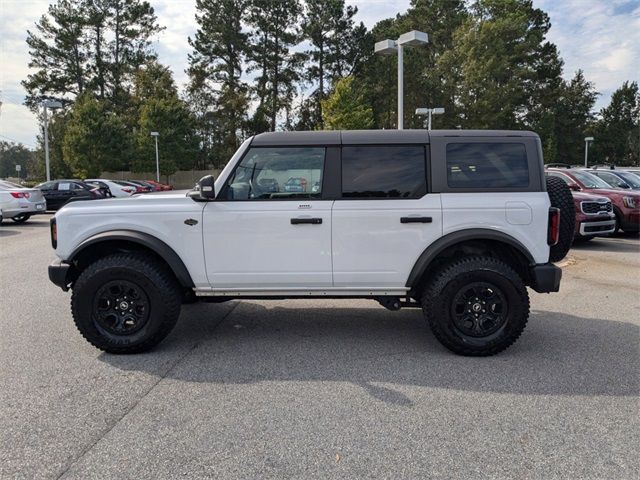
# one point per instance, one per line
(205, 189)
(574, 187)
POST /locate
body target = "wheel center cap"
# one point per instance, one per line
(124, 305)
(477, 307)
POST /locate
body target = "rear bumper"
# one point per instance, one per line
(19, 208)
(545, 278)
(58, 274)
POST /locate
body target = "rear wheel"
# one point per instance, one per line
(125, 303)
(21, 218)
(561, 197)
(476, 306)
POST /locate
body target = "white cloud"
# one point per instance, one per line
(602, 38)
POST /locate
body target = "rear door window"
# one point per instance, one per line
(487, 165)
(384, 171)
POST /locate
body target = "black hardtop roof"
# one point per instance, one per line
(374, 137)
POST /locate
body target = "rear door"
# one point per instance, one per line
(384, 218)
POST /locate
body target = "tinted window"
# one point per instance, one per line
(487, 165)
(560, 176)
(277, 174)
(383, 172)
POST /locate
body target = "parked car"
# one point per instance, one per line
(626, 203)
(594, 216)
(141, 186)
(618, 178)
(111, 188)
(160, 186)
(19, 203)
(296, 184)
(60, 192)
(269, 185)
(460, 236)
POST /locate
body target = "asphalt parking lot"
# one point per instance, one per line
(322, 389)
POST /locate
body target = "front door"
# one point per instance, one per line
(269, 227)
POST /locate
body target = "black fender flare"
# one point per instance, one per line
(154, 244)
(437, 247)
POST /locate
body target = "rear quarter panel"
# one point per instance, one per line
(523, 216)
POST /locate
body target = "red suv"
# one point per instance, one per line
(626, 204)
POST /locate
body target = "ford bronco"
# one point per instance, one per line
(457, 223)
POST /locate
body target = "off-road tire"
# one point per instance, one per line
(154, 279)
(438, 304)
(560, 196)
(21, 218)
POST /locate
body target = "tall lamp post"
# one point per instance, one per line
(390, 47)
(586, 150)
(52, 104)
(156, 135)
(429, 112)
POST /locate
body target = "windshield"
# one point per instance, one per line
(630, 178)
(590, 181)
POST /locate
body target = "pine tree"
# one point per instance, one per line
(274, 32)
(215, 70)
(617, 131)
(89, 45)
(335, 50)
(573, 115)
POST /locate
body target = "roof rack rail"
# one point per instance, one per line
(605, 167)
(558, 165)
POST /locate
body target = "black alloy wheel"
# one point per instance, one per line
(479, 309)
(121, 307)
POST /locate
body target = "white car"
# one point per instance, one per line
(19, 203)
(457, 223)
(114, 187)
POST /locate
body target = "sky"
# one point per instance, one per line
(601, 37)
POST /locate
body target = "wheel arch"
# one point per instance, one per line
(113, 241)
(503, 245)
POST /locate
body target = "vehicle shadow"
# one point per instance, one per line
(622, 243)
(376, 349)
(5, 232)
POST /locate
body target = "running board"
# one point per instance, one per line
(301, 292)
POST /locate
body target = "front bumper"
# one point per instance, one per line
(58, 274)
(545, 278)
(591, 228)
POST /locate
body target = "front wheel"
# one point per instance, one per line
(125, 303)
(476, 306)
(21, 218)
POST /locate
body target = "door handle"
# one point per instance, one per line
(311, 221)
(415, 220)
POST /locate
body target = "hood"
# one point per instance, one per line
(169, 200)
(586, 197)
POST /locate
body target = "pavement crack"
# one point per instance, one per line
(160, 378)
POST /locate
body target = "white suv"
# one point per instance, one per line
(455, 222)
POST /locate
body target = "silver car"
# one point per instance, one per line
(19, 203)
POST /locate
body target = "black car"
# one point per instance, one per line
(59, 192)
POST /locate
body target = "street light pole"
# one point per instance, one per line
(46, 145)
(390, 47)
(156, 135)
(429, 112)
(586, 150)
(52, 104)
